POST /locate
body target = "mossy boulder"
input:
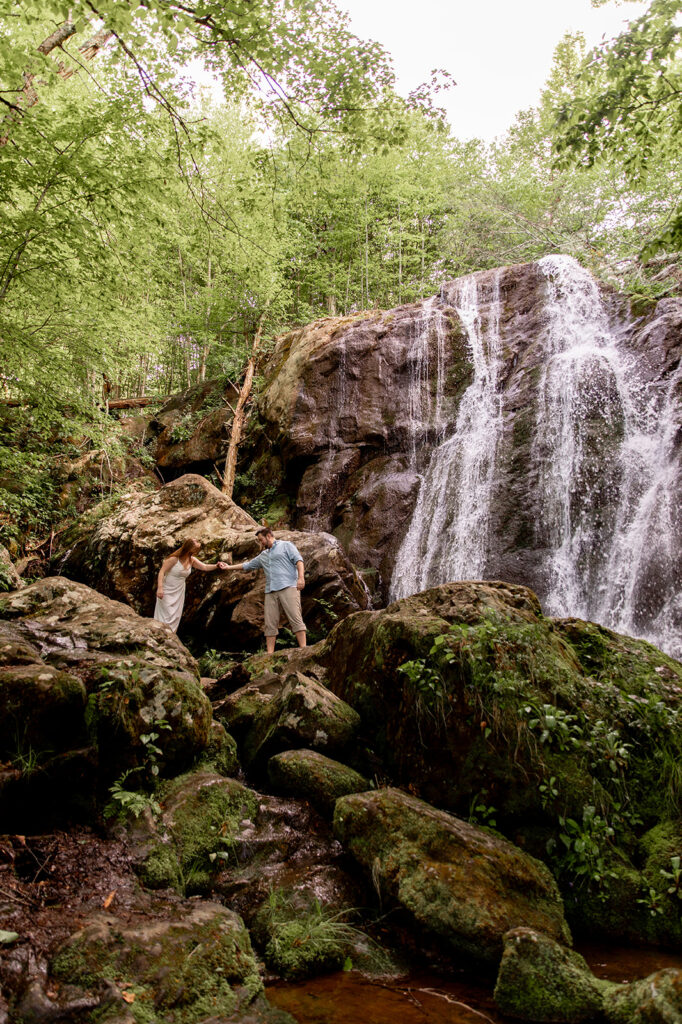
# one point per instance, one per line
(465, 884)
(221, 751)
(303, 714)
(203, 817)
(317, 778)
(540, 980)
(9, 577)
(479, 704)
(79, 672)
(189, 965)
(656, 999)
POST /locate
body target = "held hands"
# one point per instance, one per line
(222, 566)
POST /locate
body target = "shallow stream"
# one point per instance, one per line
(353, 998)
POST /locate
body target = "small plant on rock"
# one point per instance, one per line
(582, 849)
(554, 726)
(129, 801)
(548, 792)
(427, 689)
(134, 801)
(674, 877)
(653, 901)
(480, 813)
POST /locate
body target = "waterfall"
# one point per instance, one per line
(430, 325)
(602, 473)
(448, 536)
(584, 409)
(641, 595)
(607, 471)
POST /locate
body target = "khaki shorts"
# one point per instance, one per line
(278, 601)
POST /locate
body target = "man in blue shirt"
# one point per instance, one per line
(284, 581)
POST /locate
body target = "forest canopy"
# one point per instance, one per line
(173, 174)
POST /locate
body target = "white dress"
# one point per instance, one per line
(169, 607)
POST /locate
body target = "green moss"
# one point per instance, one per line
(85, 964)
(660, 844)
(540, 980)
(161, 869)
(202, 826)
(302, 938)
(191, 971)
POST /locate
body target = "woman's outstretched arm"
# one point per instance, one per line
(206, 567)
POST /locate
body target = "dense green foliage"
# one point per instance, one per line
(146, 224)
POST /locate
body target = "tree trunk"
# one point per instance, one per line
(239, 416)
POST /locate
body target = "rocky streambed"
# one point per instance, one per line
(454, 781)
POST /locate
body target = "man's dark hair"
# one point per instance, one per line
(264, 531)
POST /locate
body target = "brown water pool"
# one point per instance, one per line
(352, 998)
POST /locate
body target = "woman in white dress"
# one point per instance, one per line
(170, 589)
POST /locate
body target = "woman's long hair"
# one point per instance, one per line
(186, 550)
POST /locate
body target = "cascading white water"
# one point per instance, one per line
(584, 406)
(448, 536)
(602, 474)
(641, 594)
(423, 406)
(614, 568)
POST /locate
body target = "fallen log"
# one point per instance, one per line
(132, 403)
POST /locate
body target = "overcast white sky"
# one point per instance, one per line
(499, 51)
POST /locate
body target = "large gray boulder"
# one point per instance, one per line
(195, 960)
(120, 554)
(84, 683)
(459, 881)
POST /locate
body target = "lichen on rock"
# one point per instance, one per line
(456, 880)
(309, 774)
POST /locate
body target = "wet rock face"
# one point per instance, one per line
(121, 554)
(82, 680)
(455, 879)
(348, 403)
(217, 836)
(354, 407)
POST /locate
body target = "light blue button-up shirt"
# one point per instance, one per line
(279, 564)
